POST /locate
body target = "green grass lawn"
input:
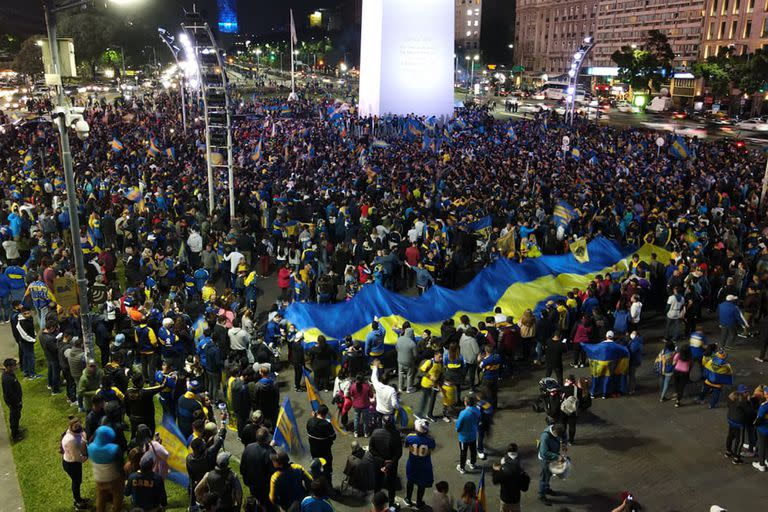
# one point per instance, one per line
(44, 485)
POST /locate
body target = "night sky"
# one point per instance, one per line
(25, 17)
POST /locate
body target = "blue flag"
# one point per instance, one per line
(564, 213)
(679, 149)
(287, 430)
(173, 441)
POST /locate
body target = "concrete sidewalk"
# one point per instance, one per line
(10, 492)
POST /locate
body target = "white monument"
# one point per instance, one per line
(406, 57)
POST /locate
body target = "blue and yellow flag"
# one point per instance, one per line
(461, 123)
(287, 430)
(576, 153)
(154, 150)
(579, 250)
(173, 441)
(482, 504)
(609, 365)
(116, 145)
(511, 133)
(481, 226)
(170, 153)
(256, 155)
(564, 213)
(315, 401)
(285, 110)
(28, 161)
(512, 286)
(679, 149)
(133, 194)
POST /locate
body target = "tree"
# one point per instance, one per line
(92, 31)
(717, 72)
(29, 60)
(646, 66)
(9, 46)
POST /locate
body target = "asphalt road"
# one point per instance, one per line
(671, 459)
(661, 122)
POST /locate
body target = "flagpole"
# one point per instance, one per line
(292, 36)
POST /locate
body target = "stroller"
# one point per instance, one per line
(548, 400)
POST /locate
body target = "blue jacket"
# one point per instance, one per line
(14, 221)
(467, 424)
(374, 341)
(636, 351)
(729, 313)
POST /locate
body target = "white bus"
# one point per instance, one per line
(557, 91)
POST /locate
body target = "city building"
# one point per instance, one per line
(469, 15)
(739, 24)
(548, 32)
(227, 16)
(626, 22)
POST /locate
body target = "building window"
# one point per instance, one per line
(734, 29)
(751, 6)
(713, 7)
(469, 12)
(706, 51)
(469, 23)
(725, 7)
(711, 30)
(747, 29)
(720, 35)
(477, 23)
(765, 28)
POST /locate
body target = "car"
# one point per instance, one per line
(623, 106)
(756, 124)
(679, 114)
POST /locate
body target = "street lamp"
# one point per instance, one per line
(64, 117)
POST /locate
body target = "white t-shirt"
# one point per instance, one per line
(675, 307)
(234, 259)
(634, 311)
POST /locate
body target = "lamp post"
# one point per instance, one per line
(62, 117)
(472, 71)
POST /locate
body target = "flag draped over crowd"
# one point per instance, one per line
(512, 286)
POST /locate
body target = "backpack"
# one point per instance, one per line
(571, 403)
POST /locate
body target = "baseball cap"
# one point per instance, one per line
(742, 388)
(222, 459)
(609, 334)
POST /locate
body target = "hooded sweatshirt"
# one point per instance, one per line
(105, 456)
(406, 348)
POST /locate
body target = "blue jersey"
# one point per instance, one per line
(491, 366)
(418, 468)
(16, 274)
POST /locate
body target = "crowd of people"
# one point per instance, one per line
(330, 203)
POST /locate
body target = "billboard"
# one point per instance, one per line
(406, 57)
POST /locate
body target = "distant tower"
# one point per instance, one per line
(227, 16)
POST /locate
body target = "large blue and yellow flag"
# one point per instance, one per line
(564, 213)
(679, 149)
(716, 369)
(609, 365)
(170, 152)
(576, 154)
(512, 286)
(380, 144)
(511, 133)
(287, 430)
(173, 441)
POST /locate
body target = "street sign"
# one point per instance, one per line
(65, 291)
